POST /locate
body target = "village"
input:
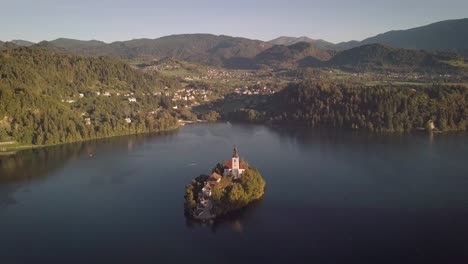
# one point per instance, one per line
(192, 94)
(372, 78)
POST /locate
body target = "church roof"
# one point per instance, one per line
(228, 165)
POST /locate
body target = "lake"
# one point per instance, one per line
(330, 197)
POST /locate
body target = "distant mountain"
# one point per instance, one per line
(200, 48)
(236, 52)
(22, 43)
(289, 56)
(7, 45)
(319, 43)
(73, 44)
(49, 46)
(346, 45)
(448, 35)
(377, 56)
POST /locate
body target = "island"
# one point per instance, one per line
(231, 185)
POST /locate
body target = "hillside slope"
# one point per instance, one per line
(48, 97)
(22, 43)
(200, 48)
(376, 56)
(76, 45)
(281, 56)
(286, 41)
(449, 35)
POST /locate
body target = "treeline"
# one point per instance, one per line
(50, 97)
(229, 194)
(239, 193)
(379, 108)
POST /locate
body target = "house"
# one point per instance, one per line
(128, 120)
(81, 95)
(206, 190)
(87, 121)
(214, 178)
(107, 94)
(234, 167)
(132, 100)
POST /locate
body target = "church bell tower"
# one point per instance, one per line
(235, 163)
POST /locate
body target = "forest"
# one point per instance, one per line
(378, 108)
(49, 97)
(52, 97)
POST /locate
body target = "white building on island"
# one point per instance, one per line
(234, 167)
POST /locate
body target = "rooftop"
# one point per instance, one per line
(242, 165)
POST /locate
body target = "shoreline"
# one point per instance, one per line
(14, 150)
(185, 122)
(5, 151)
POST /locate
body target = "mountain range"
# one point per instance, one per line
(381, 57)
(200, 48)
(287, 41)
(236, 52)
(448, 35)
(23, 43)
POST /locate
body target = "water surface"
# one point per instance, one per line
(331, 197)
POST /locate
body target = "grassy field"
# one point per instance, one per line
(9, 145)
(458, 63)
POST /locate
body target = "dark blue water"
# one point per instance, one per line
(331, 198)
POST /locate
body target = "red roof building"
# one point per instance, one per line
(228, 165)
(235, 166)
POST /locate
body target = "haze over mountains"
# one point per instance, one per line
(377, 56)
(448, 35)
(236, 52)
(287, 41)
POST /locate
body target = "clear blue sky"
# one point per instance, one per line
(110, 20)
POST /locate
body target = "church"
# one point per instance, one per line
(234, 167)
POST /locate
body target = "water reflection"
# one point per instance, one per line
(235, 221)
(307, 137)
(32, 165)
(330, 196)
(24, 167)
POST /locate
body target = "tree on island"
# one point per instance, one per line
(229, 194)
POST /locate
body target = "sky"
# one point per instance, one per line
(112, 20)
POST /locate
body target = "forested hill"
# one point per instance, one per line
(22, 43)
(200, 48)
(380, 57)
(73, 44)
(287, 41)
(448, 35)
(7, 45)
(370, 108)
(281, 56)
(50, 97)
